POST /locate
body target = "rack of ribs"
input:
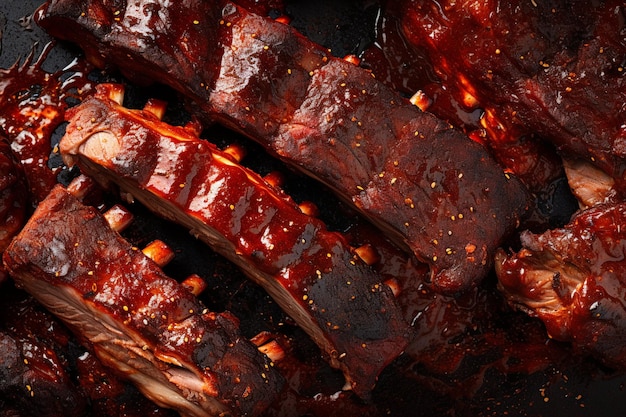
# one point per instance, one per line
(572, 278)
(311, 272)
(548, 69)
(426, 185)
(138, 321)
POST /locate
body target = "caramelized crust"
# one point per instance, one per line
(138, 321)
(322, 115)
(553, 69)
(310, 272)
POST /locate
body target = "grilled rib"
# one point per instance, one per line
(310, 272)
(138, 321)
(553, 68)
(426, 185)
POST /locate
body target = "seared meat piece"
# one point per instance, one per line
(310, 272)
(573, 280)
(13, 199)
(552, 68)
(138, 321)
(428, 186)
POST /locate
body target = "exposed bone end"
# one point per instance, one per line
(235, 152)
(156, 107)
(309, 208)
(261, 338)
(194, 284)
(368, 254)
(115, 92)
(81, 186)
(118, 217)
(275, 179)
(353, 59)
(394, 285)
(273, 350)
(421, 100)
(159, 252)
(267, 344)
(101, 147)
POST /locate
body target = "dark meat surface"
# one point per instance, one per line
(550, 69)
(35, 365)
(138, 321)
(13, 199)
(311, 272)
(572, 278)
(428, 186)
(44, 371)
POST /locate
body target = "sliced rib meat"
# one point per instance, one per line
(428, 186)
(138, 321)
(573, 280)
(310, 271)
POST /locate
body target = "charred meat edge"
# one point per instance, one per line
(310, 271)
(137, 320)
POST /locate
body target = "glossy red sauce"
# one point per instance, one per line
(32, 106)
